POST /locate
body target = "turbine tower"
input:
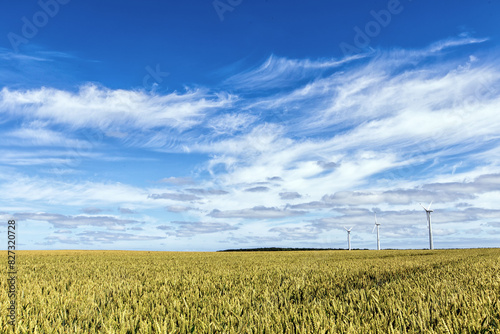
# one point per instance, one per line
(428, 212)
(377, 225)
(348, 237)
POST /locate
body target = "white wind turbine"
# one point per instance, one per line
(428, 212)
(348, 237)
(377, 225)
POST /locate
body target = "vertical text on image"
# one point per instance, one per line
(12, 271)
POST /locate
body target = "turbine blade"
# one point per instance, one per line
(374, 226)
(422, 206)
(375, 218)
(430, 205)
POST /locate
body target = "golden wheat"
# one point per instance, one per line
(445, 291)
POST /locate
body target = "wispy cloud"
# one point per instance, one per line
(91, 210)
(177, 180)
(206, 192)
(330, 142)
(481, 184)
(257, 189)
(107, 109)
(21, 188)
(126, 211)
(36, 135)
(175, 197)
(64, 221)
(277, 72)
(98, 238)
(464, 39)
(258, 212)
(290, 195)
(178, 208)
(190, 229)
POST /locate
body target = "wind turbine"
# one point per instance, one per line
(348, 236)
(377, 225)
(428, 212)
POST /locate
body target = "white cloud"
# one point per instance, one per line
(175, 197)
(63, 222)
(39, 136)
(229, 124)
(383, 133)
(21, 188)
(178, 180)
(107, 109)
(290, 195)
(280, 71)
(373, 118)
(178, 208)
(452, 42)
(258, 212)
(190, 229)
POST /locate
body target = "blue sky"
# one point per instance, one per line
(207, 125)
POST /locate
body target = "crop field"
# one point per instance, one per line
(389, 291)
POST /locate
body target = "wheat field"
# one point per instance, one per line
(389, 291)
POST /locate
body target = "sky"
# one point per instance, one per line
(207, 125)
